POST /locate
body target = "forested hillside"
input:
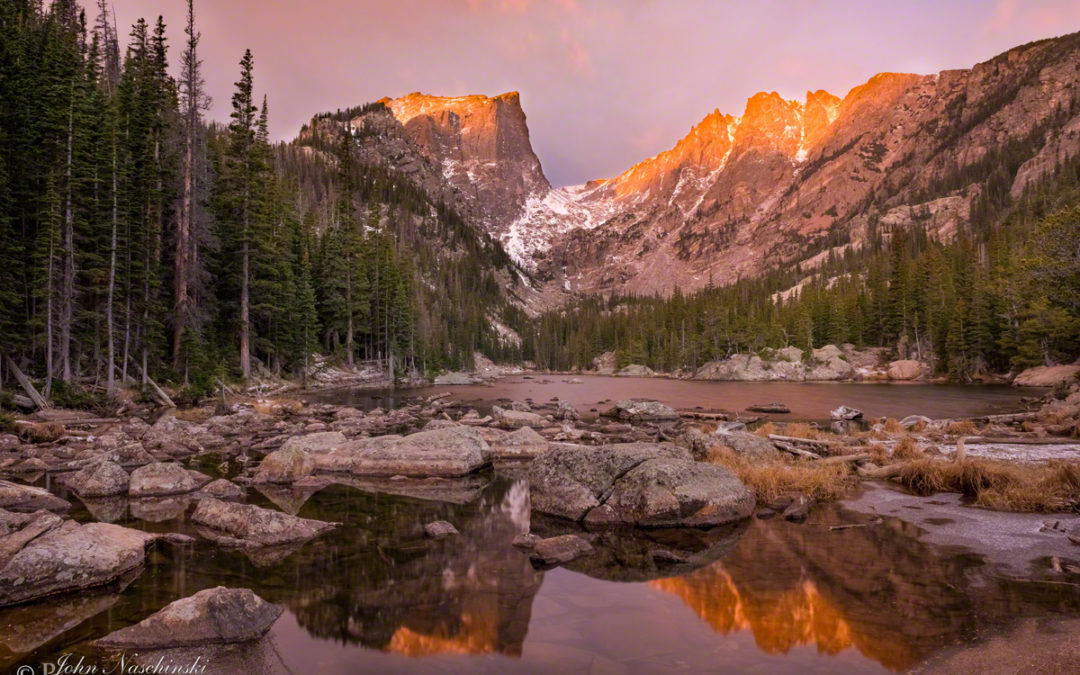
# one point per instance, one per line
(1004, 294)
(137, 240)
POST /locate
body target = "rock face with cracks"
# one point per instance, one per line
(286, 465)
(158, 479)
(640, 484)
(249, 525)
(104, 479)
(447, 452)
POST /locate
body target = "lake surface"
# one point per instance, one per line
(807, 400)
(377, 596)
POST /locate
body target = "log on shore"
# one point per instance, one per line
(35, 396)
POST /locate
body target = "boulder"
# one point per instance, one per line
(223, 489)
(605, 363)
(835, 368)
(827, 353)
(745, 443)
(639, 410)
(161, 478)
(1047, 376)
(566, 411)
(103, 479)
(642, 484)
(322, 441)
(27, 499)
(790, 354)
(524, 443)
(558, 550)
(636, 370)
(212, 616)
(846, 413)
(516, 419)
(914, 420)
(453, 451)
(905, 369)
(520, 406)
(439, 529)
(286, 465)
(245, 524)
(69, 558)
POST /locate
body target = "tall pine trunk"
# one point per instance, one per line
(111, 381)
(67, 290)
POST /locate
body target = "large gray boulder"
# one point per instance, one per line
(636, 410)
(245, 524)
(160, 479)
(641, 484)
(453, 451)
(287, 465)
(212, 616)
(103, 479)
(71, 557)
(636, 370)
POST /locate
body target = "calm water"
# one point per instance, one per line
(376, 596)
(808, 401)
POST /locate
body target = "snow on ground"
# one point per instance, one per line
(555, 213)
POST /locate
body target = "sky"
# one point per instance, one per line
(604, 83)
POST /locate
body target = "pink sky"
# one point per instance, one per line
(605, 84)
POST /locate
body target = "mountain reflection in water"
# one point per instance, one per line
(377, 594)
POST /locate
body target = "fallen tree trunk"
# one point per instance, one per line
(35, 397)
(1014, 418)
(798, 452)
(158, 392)
(802, 441)
(1006, 440)
(888, 471)
(843, 459)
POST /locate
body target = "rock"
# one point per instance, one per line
(322, 441)
(605, 363)
(745, 443)
(525, 540)
(223, 489)
(439, 529)
(798, 509)
(558, 550)
(516, 419)
(286, 465)
(159, 479)
(43, 432)
(914, 420)
(640, 410)
(454, 451)
(790, 354)
(27, 499)
(524, 443)
(454, 379)
(642, 484)
(520, 406)
(212, 616)
(439, 424)
(827, 353)
(636, 370)
(31, 465)
(246, 524)
(160, 509)
(566, 411)
(835, 368)
(771, 408)
(69, 558)
(104, 479)
(25, 531)
(905, 369)
(1047, 376)
(846, 413)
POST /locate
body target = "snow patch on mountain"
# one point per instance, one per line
(545, 217)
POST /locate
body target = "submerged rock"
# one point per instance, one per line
(246, 524)
(223, 489)
(642, 484)
(453, 451)
(71, 557)
(638, 410)
(104, 479)
(212, 616)
(322, 441)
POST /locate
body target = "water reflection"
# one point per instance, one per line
(379, 589)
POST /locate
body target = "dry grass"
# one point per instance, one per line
(771, 478)
(906, 448)
(893, 426)
(962, 428)
(1051, 487)
(797, 429)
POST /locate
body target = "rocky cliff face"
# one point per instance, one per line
(739, 195)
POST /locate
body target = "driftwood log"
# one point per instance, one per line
(35, 397)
